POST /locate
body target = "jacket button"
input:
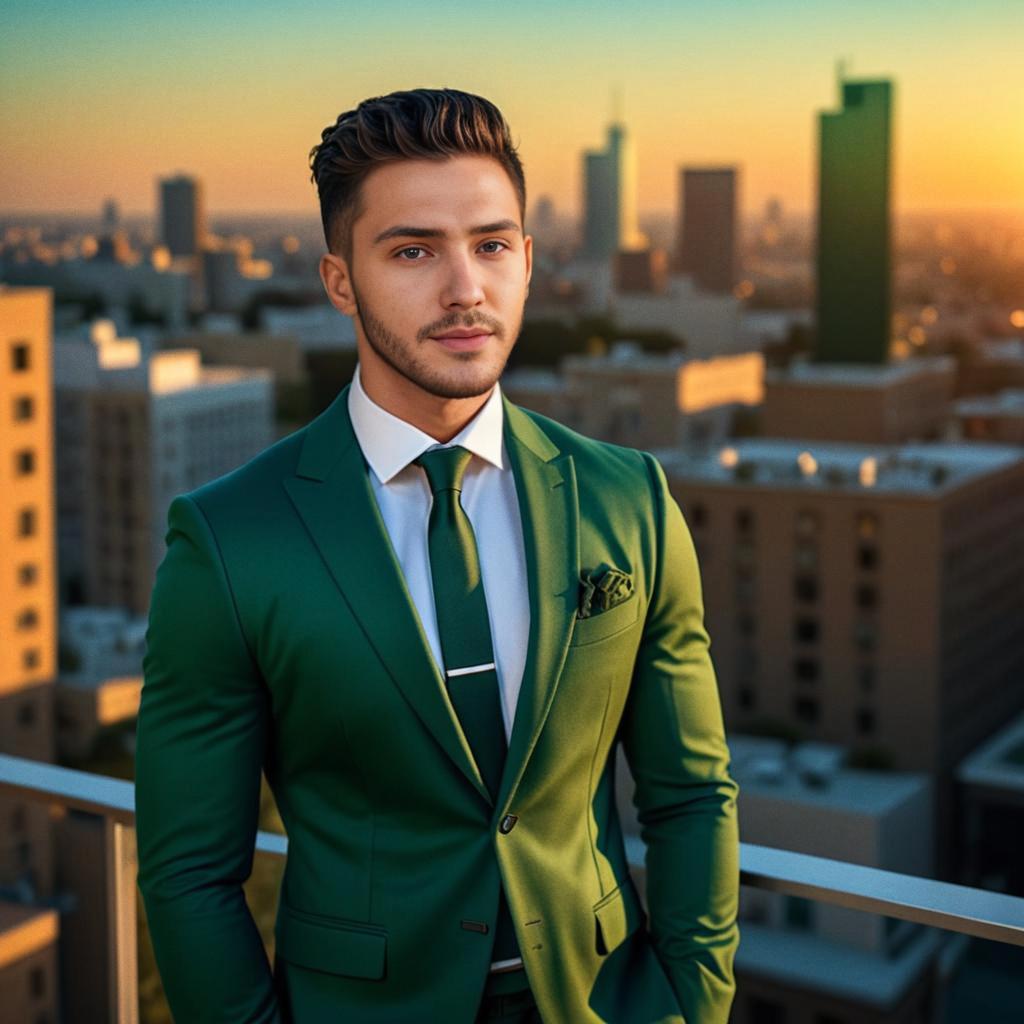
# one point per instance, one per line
(507, 824)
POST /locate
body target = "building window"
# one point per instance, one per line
(867, 525)
(19, 356)
(867, 596)
(806, 630)
(19, 819)
(24, 462)
(28, 618)
(865, 636)
(867, 556)
(806, 588)
(865, 721)
(807, 523)
(26, 522)
(747, 698)
(866, 676)
(744, 520)
(23, 407)
(746, 624)
(28, 574)
(806, 709)
(698, 515)
(799, 913)
(806, 669)
(27, 715)
(37, 982)
(30, 659)
(806, 556)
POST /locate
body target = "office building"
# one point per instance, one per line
(991, 781)
(133, 432)
(854, 242)
(182, 215)
(707, 233)
(28, 647)
(643, 271)
(707, 323)
(610, 198)
(804, 960)
(891, 403)
(865, 595)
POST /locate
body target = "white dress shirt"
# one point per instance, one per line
(489, 498)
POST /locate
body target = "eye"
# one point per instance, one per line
(410, 248)
(495, 241)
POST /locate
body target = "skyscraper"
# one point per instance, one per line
(854, 249)
(609, 197)
(706, 247)
(182, 216)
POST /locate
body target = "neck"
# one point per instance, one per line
(440, 418)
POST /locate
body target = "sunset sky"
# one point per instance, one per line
(100, 98)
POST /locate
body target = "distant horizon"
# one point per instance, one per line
(106, 98)
(994, 209)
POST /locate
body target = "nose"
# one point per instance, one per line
(463, 287)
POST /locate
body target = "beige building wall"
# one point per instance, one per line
(872, 405)
(28, 965)
(647, 401)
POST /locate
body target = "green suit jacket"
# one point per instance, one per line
(282, 637)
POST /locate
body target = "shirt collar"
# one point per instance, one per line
(389, 444)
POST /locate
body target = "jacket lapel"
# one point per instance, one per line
(549, 508)
(332, 494)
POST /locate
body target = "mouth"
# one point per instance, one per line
(463, 340)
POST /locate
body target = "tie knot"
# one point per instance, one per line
(445, 467)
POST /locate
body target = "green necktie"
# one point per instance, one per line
(465, 632)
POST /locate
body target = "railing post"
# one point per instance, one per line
(122, 921)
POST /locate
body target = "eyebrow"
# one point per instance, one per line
(408, 231)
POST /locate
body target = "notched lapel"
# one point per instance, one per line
(332, 494)
(549, 508)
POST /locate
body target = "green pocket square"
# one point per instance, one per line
(603, 589)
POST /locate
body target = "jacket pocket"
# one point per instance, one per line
(607, 623)
(335, 945)
(617, 915)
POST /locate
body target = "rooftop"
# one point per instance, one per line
(814, 774)
(998, 763)
(912, 468)
(859, 375)
(1008, 402)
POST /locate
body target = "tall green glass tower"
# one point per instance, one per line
(854, 249)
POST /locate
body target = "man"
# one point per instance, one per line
(429, 616)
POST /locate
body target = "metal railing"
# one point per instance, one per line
(956, 908)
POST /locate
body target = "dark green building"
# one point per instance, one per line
(854, 253)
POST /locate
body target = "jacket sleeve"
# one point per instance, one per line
(674, 740)
(201, 737)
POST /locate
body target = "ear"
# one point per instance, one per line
(528, 250)
(338, 283)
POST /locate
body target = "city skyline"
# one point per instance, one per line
(741, 85)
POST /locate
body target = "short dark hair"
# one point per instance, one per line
(415, 124)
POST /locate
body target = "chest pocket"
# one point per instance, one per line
(607, 623)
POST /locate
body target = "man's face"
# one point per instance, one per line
(438, 247)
